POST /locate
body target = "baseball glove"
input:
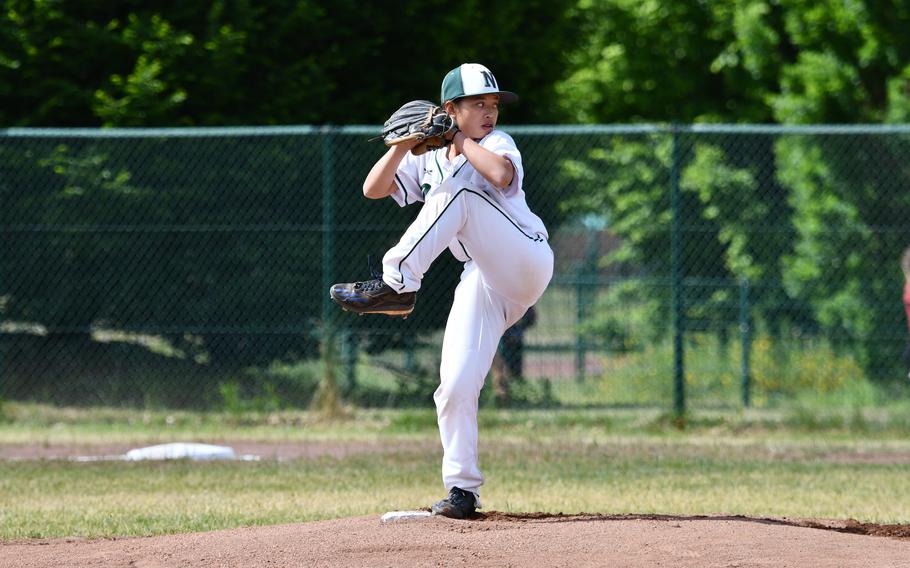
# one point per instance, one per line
(420, 121)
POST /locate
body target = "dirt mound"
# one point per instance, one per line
(495, 539)
(851, 526)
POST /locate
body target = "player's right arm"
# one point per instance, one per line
(380, 181)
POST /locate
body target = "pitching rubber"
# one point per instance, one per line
(392, 516)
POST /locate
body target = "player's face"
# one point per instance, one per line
(476, 116)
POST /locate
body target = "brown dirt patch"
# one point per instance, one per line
(265, 450)
(495, 539)
(867, 457)
(341, 449)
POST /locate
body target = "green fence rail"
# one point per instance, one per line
(696, 265)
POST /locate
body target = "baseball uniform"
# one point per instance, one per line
(507, 266)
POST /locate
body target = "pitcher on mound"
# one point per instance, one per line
(470, 187)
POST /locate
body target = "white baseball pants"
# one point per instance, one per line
(507, 272)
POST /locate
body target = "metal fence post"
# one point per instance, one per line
(586, 291)
(580, 350)
(745, 332)
(410, 361)
(328, 222)
(349, 356)
(679, 385)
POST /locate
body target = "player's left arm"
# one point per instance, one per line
(498, 170)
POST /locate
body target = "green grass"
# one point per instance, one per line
(840, 464)
(823, 418)
(109, 499)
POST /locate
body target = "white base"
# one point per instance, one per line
(182, 450)
(403, 515)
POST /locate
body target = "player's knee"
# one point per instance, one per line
(457, 390)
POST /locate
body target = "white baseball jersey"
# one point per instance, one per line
(418, 175)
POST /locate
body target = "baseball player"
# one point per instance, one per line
(474, 205)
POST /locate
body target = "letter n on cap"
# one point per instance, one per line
(489, 80)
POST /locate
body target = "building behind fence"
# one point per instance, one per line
(700, 265)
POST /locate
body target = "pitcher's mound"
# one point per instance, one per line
(495, 539)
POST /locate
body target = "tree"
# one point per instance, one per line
(215, 243)
(170, 63)
(833, 202)
(647, 61)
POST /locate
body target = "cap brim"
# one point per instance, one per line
(507, 97)
(504, 96)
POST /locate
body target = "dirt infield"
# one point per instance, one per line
(311, 449)
(495, 539)
(265, 450)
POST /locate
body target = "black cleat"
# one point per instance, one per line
(373, 297)
(460, 504)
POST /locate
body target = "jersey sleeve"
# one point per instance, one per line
(502, 144)
(407, 181)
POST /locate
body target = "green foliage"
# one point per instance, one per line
(811, 369)
(818, 87)
(313, 61)
(757, 60)
(310, 61)
(839, 272)
(730, 198)
(898, 92)
(235, 403)
(854, 48)
(147, 94)
(626, 178)
(806, 370)
(825, 61)
(116, 206)
(269, 389)
(814, 225)
(732, 218)
(622, 321)
(281, 62)
(523, 393)
(743, 61)
(658, 61)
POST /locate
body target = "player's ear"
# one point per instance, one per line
(449, 107)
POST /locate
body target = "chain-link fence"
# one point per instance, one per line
(708, 265)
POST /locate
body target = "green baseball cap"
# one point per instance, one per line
(472, 79)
